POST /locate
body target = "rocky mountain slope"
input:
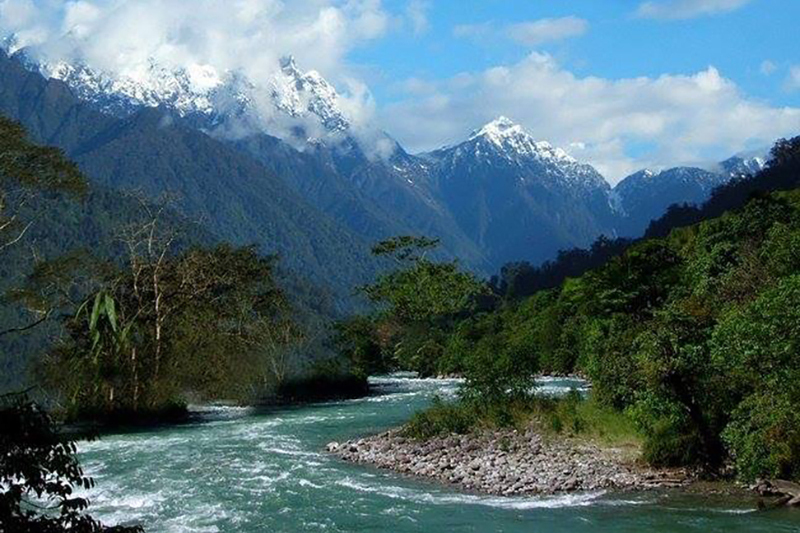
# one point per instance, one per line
(499, 196)
(232, 194)
(645, 195)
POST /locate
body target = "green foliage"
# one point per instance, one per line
(426, 291)
(687, 333)
(31, 166)
(764, 435)
(760, 345)
(39, 474)
(151, 312)
(572, 416)
(418, 304)
(357, 340)
(495, 372)
(607, 359)
(692, 339)
(208, 321)
(584, 418)
(325, 379)
(442, 418)
(405, 247)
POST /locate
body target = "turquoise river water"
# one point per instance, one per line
(243, 470)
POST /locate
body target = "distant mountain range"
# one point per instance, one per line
(279, 163)
(645, 195)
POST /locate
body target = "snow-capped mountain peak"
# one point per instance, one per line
(201, 90)
(504, 150)
(186, 90)
(743, 165)
(299, 93)
(498, 129)
(514, 141)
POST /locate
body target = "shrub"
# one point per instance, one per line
(764, 437)
(442, 418)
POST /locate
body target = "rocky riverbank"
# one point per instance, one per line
(509, 462)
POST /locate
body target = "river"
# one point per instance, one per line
(246, 470)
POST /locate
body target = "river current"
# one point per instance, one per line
(248, 470)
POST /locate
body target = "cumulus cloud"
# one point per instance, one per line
(686, 9)
(546, 30)
(247, 36)
(618, 125)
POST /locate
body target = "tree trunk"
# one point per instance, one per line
(135, 370)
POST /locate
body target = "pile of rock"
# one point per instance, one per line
(786, 492)
(508, 462)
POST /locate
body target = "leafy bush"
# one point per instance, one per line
(764, 436)
(39, 474)
(759, 346)
(442, 418)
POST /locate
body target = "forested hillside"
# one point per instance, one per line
(236, 198)
(91, 276)
(693, 336)
(520, 279)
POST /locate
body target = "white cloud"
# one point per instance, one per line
(767, 67)
(417, 14)
(530, 33)
(474, 31)
(793, 81)
(680, 119)
(546, 30)
(685, 9)
(210, 38)
(250, 36)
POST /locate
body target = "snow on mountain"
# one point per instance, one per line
(514, 142)
(504, 144)
(517, 197)
(646, 195)
(299, 94)
(203, 91)
(743, 166)
(186, 90)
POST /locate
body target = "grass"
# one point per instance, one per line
(570, 417)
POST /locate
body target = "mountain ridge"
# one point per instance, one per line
(237, 198)
(498, 196)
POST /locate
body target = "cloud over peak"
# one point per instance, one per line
(207, 39)
(619, 125)
(246, 35)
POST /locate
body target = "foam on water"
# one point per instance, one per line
(246, 471)
(436, 498)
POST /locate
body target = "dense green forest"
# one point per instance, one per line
(39, 471)
(120, 307)
(693, 336)
(234, 197)
(121, 310)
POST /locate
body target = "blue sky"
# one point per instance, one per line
(616, 44)
(746, 49)
(621, 84)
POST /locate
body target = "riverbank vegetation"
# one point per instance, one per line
(569, 417)
(40, 475)
(693, 336)
(121, 310)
